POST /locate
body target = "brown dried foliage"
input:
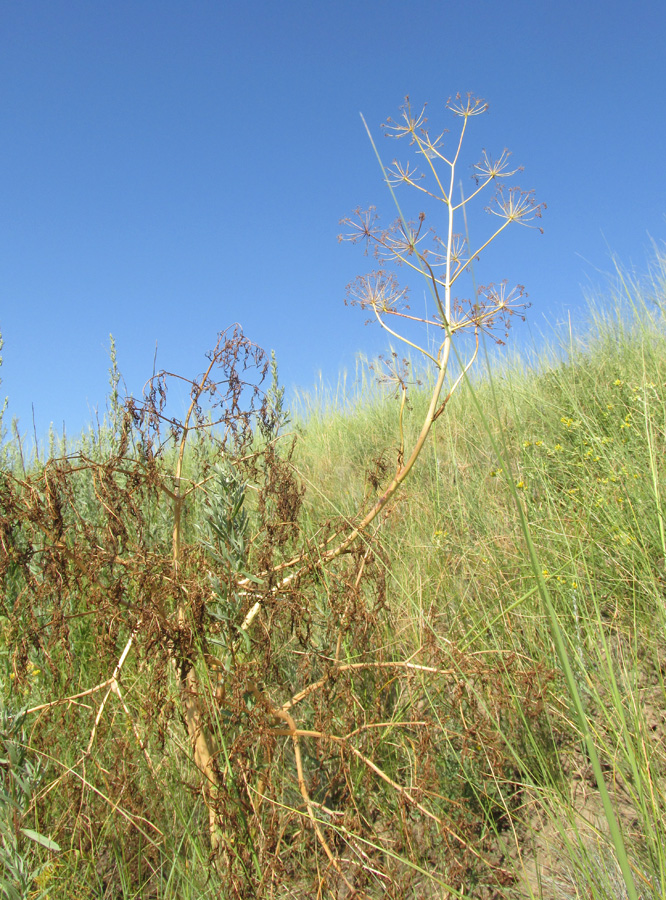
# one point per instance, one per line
(324, 743)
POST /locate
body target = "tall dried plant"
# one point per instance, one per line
(489, 310)
(196, 608)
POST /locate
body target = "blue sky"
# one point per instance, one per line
(168, 168)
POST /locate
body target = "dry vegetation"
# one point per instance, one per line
(379, 651)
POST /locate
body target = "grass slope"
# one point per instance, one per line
(577, 441)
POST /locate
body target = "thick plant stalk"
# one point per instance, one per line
(203, 748)
(202, 742)
(379, 292)
(389, 492)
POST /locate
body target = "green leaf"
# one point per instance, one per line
(41, 839)
(8, 890)
(251, 577)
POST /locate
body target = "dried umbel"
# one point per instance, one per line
(441, 257)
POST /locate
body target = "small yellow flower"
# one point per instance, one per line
(558, 447)
(574, 585)
(546, 573)
(33, 670)
(539, 444)
(527, 444)
(618, 383)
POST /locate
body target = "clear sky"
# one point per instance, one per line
(168, 168)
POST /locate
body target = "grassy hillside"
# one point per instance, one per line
(427, 715)
(577, 442)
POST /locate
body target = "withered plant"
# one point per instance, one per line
(179, 560)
